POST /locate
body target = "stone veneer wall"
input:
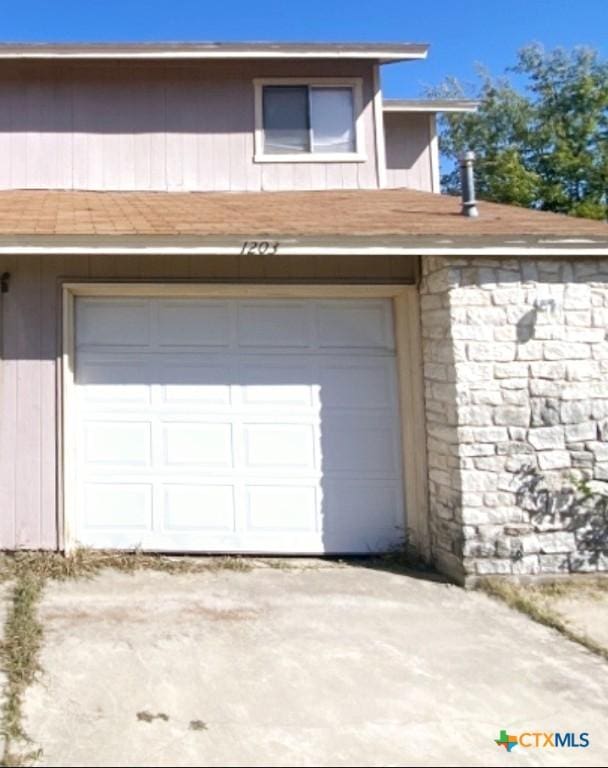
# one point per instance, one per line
(516, 385)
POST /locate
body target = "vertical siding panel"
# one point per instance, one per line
(276, 267)
(151, 266)
(350, 175)
(6, 87)
(155, 117)
(174, 133)
(303, 267)
(142, 150)
(333, 176)
(270, 177)
(48, 116)
(100, 265)
(73, 267)
(36, 106)
(408, 157)
(111, 97)
(128, 127)
(286, 175)
(28, 438)
(213, 267)
(174, 149)
(91, 119)
(58, 139)
(220, 145)
(155, 266)
(177, 266)
(251, 267)
(82, 138)
(49, 329)
(318, 176)
(8, 412)
(236, 94)
(16, 106)
(187, 112)
(302, 176)
(238, 172)
(204, 149)
(104, 268)
(125, 265)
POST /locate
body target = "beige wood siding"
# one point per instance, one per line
(30, 343)
(408, 150)
(157, 126)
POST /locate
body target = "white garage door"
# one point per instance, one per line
(237, 426)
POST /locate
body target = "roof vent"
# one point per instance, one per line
(467, 181)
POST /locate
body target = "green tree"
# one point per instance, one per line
(546, 147)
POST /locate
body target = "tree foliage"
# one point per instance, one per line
(545, 147)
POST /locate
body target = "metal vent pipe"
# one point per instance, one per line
(467, 181)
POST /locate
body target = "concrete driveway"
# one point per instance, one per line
(322, 664)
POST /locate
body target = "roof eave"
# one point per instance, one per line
(389, 244)
(382, 54)
(430, 106)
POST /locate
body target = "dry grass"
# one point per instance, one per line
(85, 563)
(19, 650)
(535, 601)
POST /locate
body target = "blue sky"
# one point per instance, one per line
(461, 33)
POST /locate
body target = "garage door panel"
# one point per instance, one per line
(194, 323)
(287, 508)
(199, 508)
(254, 426)
(118, 443)
(195, 383)
(375, 517)
(110, 382)
(355, 384)
(272, 324)
(270, 382)
(128, 324)
(358, 324)
(359, 442)
(279, 445)
(198, 444)
(118, 506)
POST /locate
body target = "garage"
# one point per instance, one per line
(233, 425)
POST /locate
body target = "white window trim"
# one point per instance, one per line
(356, 83)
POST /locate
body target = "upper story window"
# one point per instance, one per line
(317, 121)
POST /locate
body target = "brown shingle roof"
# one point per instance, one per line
(371, 213)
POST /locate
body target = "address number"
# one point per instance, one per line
(259, 248)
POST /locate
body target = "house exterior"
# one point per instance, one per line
(237, 316)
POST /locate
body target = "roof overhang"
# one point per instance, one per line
(380, 52)
(430, 105)
(368, 245)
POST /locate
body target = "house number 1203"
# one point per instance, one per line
(259, 248)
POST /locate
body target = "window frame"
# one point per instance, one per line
(354, 83)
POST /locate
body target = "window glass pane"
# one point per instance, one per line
(332, 118)
(286, 119)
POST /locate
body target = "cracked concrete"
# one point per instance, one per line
(329, 666)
